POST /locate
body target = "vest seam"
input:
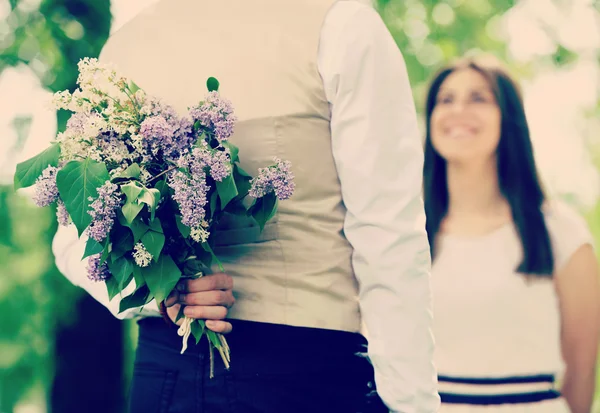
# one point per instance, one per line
(280, 153)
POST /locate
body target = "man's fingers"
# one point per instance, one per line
(215, 297)
(205, 313)
(222, 327)
(218, 281)
(172, 299)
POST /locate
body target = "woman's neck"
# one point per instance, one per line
(474, 191)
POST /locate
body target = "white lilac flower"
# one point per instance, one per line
(277, 178)
(199, 234)
(46, 192)
(141, 256)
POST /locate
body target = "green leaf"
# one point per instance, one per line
(242, 181)
(156, 226)
(131, 210)
(92, 247)
(197, 327)
(154, 242)
(162, 277)
(121, 269)
(29, 170)
(183, 229)
(214, 198)
(140, 297)
(263, 209)
(137, 276)
(106, 252)
(77, 182)
(150, 197)
(227, 190)
(113, 288)
(212, 84)
(163, 188)
(133, 87)
(131, 191)
(133, 171)
(122, 241)
(233, 151)
(180, 315)
(137, 227)
(214, 338)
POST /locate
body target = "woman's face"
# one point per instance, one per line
(465, 122)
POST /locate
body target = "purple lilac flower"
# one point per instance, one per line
(62, 215)
(215, 113)
(97, 271)
(46, 192)
(166, 132)
(76, 123)
(103, 211)
(277, 178)
(190, 192)
(156, 129)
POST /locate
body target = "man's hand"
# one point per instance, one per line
(207, 298)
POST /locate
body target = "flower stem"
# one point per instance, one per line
(162, 173)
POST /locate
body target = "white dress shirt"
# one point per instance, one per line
(379, 157)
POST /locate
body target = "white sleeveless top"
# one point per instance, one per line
(491, 322)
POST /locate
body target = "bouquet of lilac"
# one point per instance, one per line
(148, 186)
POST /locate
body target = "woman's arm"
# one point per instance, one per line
(578, 288)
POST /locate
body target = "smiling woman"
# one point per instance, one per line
(515, 280)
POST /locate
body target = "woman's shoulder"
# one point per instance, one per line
(567, 228)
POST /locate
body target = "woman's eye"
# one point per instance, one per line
(445, 99)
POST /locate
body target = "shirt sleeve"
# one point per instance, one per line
(68, 249)
(379, 157)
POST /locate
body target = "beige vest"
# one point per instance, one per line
(264, 53)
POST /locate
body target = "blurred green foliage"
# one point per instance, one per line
(52, 35)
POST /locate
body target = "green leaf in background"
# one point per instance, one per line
(154, 242)
(140, 297)
(29, 170)
(106, 252)
(77, 182)
(183, 229)
(161, 277)
(214, 338)
(121, 270)
(92, 247)
(263, 209)
(227, 190)
(197, 327)
(132, 171)
(212, 84)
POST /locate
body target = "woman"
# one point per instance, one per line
(515, 279)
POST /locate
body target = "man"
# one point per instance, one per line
(323, 84)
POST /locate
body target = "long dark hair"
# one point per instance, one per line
(517, 174)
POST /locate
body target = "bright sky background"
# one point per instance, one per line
(555, 100)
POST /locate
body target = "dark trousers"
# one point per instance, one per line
(274, 369)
